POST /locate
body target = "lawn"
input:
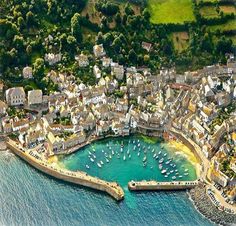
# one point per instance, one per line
(229, 26)
(209, 12)
(171, 11)
(180, 40)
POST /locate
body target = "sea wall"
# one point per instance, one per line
(161, 186)
(80, 178)
(205, 206)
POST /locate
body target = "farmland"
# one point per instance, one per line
(170, 11)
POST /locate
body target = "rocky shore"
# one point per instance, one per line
(207, 208)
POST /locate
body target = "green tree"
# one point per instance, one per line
(38, 69)
(76, 27)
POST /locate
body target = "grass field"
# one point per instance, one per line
(228, 9)
(180, 40)
(208, 12)
(170, 11)
(229, 26)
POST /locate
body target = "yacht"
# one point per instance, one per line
(87, 166)
(163, 171)
(165, 155)
(160, 166)
(159, 152)
(144, 158)
(90, 153)
(101, 162)
(153, 150)
(161, 160)
(92, 160)
(99, 165)
(155, 155)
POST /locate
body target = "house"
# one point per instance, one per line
(117, 70)
(147, 46)
(97, 72)
(99, 51)
(27, 72)
(106, 61)
(82, 59)
(55, 144)
(102, 128)
(20, 124)
(73, 140)
(15, 96)
(223, 99)
(6, 125)
(52, 58)
(35, 97)
(3, 108)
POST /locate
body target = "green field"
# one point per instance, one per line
(170, 11)
(209, 12)
(229, 26)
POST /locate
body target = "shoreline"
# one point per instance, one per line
(206, 208)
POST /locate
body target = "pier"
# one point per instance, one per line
(79, 177)
(161, 186)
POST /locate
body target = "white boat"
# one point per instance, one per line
(144, 158)
(149, 147)
(174, 177)
(129, 156)
(172, 171)
(94, 156)
(90, 153)
(102, 151)
(167, 162)
(166, 175)
(160, 166)
(138, 144)
(128, 152)
(101, 162)
(161, 160)
(112, 152)
(91, 160)
(138, 153)
(185, 174)
(107, 160)
(124, 158)
(94, 150)
(110, 156)
(121, 150)
(186, 170)
(180, 176)
(165, 155)
(176, 170)
(87, 166)
(155, 155)
(99, 165)
(153, 150)
(159, 152)
(163, 171)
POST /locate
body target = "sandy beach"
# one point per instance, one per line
(180, 148)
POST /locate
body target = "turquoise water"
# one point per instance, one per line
(28, 197)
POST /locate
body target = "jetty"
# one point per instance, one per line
(78, 177)
(161, 186)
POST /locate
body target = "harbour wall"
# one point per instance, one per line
(80, 178)
(161, 186)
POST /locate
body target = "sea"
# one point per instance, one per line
(29, 197)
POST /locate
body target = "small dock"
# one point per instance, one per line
(161, 186)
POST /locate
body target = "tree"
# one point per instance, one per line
(30, 19)
(132, 56)
(76, 27)
(38, 69)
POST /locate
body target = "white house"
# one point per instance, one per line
(97, 72)
(3, 108)
(99, 51)
(82, 59)
(15, 96)
(35, 97)
(27, 72)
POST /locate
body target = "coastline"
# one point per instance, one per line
(204, 206)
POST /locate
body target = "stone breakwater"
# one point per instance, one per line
(204, 205)
(80, 178)
(161, 186)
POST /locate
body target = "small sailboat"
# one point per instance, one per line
(129, 156)
(167, 162)
(165, 154)
(185, 174)
(87, 166)
(159, 152)
(124, 158)
(174, 177)
(92, 160)
(161, 160)
(102, 151)
(112, 152)
(153, 150)
(107, 160)
(99, 165)
(101, 162)
(180, 176)
(186, 170)
(157, 157)
(160, 166)
(121, 150)
(144, 158)
(90, 153)
(154, 156)
(94, 156)
(128, 152)
(138, 153)
(172, 171)
(110, 156)
(163, 171)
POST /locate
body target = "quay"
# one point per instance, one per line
(79, 177)
(161, 186)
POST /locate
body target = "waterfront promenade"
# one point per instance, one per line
(161, 186)
(79, 177)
